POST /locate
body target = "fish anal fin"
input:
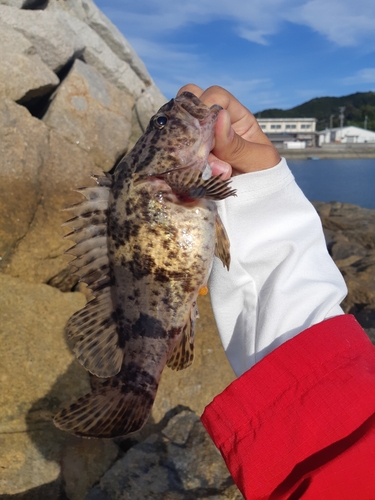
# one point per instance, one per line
(94, 331)
(182, 355)
(222, 247)
(106, 413)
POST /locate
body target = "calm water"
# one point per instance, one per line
(348, 181)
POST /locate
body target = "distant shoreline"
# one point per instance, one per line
(331, 151)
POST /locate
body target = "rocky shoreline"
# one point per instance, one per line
(74, 97)
(350, 237)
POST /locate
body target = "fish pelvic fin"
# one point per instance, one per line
(93, 328)
(191, 183)
(222, 246)
(106, 413)
(182, 355)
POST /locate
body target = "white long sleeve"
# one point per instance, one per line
(281, 279)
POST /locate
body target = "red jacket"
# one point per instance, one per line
(301, 422)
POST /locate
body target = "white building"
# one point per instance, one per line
(289, 125)
(291, 133)
(346, 135)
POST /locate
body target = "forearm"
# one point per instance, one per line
(281, 279)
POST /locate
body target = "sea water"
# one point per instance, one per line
(348, 181)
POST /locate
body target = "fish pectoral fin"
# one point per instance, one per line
(182, 355)
(189, 182)
(222, 247)
(94, 331)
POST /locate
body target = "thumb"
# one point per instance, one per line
(243, 155)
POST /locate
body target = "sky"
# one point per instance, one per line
(268, 53)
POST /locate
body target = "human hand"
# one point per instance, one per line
(240, 145)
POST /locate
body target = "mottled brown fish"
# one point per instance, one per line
(144, 238)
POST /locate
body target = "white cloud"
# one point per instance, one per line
(365, 75)
(343, 22)
(257, 36)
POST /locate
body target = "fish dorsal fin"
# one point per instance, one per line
(222, 247)
(182, 355)
(191, 183)
(93, 328)
(106, 412)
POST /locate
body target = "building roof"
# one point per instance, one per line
(353, 127)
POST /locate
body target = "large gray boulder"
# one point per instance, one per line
(23, 75)
(92, 113)
(55, 42)
(88, 12)
(23, 152)
(98, 54)
(38, 374)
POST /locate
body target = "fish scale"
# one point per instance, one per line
(145, 239)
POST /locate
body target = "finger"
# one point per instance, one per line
(219, 167)
(241, 154)
(243, 121)
(190, 87)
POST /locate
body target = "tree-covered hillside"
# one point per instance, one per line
(357, 106)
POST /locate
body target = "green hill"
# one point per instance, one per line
(357, 106)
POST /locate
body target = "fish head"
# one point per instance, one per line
(179, 135)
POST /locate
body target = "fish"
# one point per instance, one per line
(145, 238)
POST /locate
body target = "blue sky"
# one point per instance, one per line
(268, 53)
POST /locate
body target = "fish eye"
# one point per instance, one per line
(160, 121)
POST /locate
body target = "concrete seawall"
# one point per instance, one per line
(332, 151)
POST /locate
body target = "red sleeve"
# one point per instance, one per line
(301, 422)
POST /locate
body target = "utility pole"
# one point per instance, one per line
(331, 121)
(341, 117)
(365, 126)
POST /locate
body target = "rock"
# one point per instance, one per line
(356, 223)
(98, 54)
(350, 235)
(88, 12)
(91, 112)
(22, 4)
(74, 7)
(36, 376)
(148, 104)
(181, 462)
(341, 250)
(23, 75)
(13, 3)
(55, 42)
(196, 386)
(114, 39)
(24, 149)
(39, 255)
(83, 463)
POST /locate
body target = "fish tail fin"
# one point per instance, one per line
(106, 413)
